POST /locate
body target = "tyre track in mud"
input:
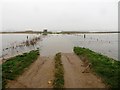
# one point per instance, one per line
(73, 76)
(36, 76)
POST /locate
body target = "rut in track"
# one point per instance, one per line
(36, 76)
(73, 76)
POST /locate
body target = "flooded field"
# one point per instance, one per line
(49, 45)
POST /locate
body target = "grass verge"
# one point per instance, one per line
(15, 66)
(59, 72)
(107, 68)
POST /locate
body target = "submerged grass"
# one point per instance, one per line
(107, 68)
(59, 72)
(16, 65)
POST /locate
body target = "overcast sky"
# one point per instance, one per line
(56, 15)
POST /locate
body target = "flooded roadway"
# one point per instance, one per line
(51, 44)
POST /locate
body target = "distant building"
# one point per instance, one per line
(45, 31)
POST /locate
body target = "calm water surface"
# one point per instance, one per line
(49, 45)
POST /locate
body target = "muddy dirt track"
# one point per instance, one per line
(37, 75)
(73, 76)
(42, 71)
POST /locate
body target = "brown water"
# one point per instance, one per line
(49, 45)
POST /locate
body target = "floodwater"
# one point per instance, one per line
(51, 44)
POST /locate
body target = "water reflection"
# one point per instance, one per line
(102, 43)
(15, 48)
(51, 44)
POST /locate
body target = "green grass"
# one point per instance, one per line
(107, 68)
(59, 72)
(16, 65)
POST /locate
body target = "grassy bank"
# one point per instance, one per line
(107, 68)
(59, 72)
(16, 65)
